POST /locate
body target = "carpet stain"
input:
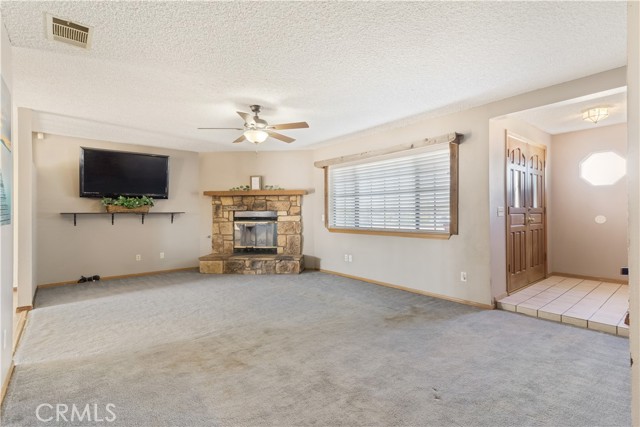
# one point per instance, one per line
(415, 313)
(209, 355)
(232, 363)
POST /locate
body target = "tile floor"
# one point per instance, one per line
(586, 303)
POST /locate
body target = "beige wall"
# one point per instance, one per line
(24, 204)
(497, 131)
(6, 234)
(291, 170)
(633, 166)
(434, 265)
(429, 265)
(580, 245)
(94, 246)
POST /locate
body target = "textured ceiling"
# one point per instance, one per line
(159, 70)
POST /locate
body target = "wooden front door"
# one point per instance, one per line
(526, 237)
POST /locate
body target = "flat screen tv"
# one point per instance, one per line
(106, 173)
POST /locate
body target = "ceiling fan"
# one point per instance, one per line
(257, 130)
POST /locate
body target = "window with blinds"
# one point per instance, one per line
(408, 193)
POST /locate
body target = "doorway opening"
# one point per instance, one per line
(585, 222)
(563, 188)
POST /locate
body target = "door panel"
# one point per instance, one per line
(536, 212)
(526, 239)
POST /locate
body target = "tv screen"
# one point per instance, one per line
(106, 173)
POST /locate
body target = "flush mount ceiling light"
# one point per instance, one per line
(256, 136)
(595, 114)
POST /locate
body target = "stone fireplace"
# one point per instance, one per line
(255, 232)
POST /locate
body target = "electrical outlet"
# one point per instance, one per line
(463, 276)
(350, 258)
(161, 255)
(138, 257)
(346, 258)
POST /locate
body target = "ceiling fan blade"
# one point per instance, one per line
(297, 125)
(239, 140)
(248, 118)
(224, 128)
(280, 136)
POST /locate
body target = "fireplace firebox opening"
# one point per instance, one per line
(255, 232)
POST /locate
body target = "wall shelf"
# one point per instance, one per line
(142, 215)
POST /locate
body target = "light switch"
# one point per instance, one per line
(500, 210)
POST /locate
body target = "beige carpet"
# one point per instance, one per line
(186, 349)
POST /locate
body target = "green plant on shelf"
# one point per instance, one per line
(128, 202)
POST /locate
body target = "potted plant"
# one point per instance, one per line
(127, 204)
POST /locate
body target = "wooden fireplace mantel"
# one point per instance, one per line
(256, 193)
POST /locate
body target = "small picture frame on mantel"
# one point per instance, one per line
(256, 183)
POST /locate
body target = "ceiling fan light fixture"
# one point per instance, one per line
(595, 114)
(256, 136)
(257, 130)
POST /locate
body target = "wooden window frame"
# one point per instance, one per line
(453, 140)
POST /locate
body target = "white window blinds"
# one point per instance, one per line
(410, 193)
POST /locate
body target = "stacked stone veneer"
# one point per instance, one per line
(288, 260)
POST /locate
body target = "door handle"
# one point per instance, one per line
(530, 219)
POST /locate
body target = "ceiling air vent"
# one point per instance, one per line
(69, 32)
